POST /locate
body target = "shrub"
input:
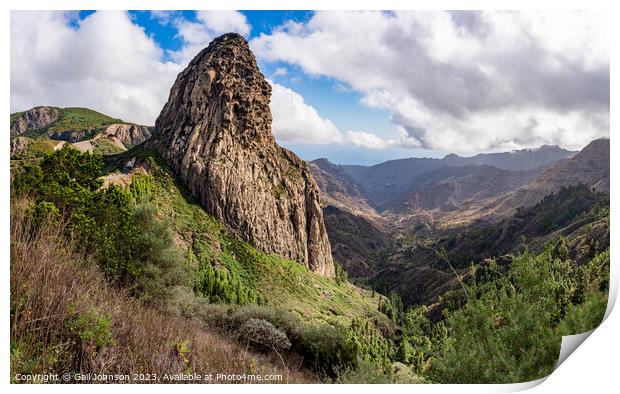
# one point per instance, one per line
(586, 316)
(326, 349)
(340, 274)
(365, 373)
(517, 321)
(93, 329)
(263, 335)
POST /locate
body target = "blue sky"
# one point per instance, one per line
(328, 96)
(355, 87)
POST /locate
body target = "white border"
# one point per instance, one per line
(593, 367)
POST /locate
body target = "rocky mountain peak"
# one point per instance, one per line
(215, 133)
(34, 119)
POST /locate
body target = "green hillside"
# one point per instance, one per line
(258, 276)
(161, 256)
(81, 119)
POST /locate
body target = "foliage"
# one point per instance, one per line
(132, 247)
(513, 321)
(365, 373)
(584, 317)
(552, 213)
(93, 329)
(105, 146)
(62, 309)
(263, 335)
(340, 274)
(158, 260)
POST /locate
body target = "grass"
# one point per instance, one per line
(104, 146)
(81, 119)
(65, 317)
(282, 283)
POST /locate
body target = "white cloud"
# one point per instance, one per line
(364, 139)
(280, 71)
(196, 35)
(296, 121)
(106, 63)
(367, 140)
(463, 81)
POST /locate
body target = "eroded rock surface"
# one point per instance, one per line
(215, 132)
(34, 119)
(129, 134)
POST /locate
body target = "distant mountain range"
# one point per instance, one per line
(459, 189)
(370, 212)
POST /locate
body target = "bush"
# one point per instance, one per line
(93, 329)
(516, 321)
(340, 274)
(158, 261)
(263, 335)
(365, 373)
(586, 316)
(133, 248)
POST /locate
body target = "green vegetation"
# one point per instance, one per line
(554, 212)
(231, 271)
(65, 317)
(132, 247)
(516, 319)
(92, 329)
(104, 146)
(152, 239)
(81, 119)
(164, 259)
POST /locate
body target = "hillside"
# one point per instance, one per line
(45, 129)
(454, 190)
(354, 240)
(208, 244)
(340, 190)
(79, 319)
(420, 268)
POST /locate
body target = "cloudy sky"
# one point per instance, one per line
(355, 87)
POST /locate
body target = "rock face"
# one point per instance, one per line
(215, 132)
(19, 145)
(34, 119)
(70, 136)
(129, 134)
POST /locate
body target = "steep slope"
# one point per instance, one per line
(355, 241)
(212, 251)
(128, 134)
(215, 133)
(33, 119)
(417, 271)
(446, 188)
(340, 190)
(590, 166)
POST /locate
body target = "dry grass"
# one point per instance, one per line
(52, 288)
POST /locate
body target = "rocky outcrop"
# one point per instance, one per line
(71, 136)
(129, 134)
(19, 145)
(215, 132)
(34, 119)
